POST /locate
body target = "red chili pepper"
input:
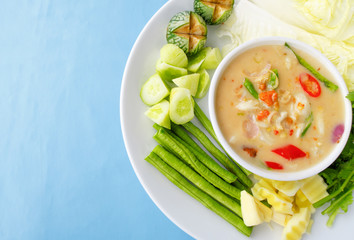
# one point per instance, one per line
(290, 152)
(274, 165)
(310, 85)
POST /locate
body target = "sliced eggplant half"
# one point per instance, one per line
(188, 31)
(214, 11)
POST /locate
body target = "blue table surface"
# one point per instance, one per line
(64, 171)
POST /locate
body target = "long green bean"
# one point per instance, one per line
(333, 87)
(204, 120)
(198, 180)
(209, 202)
(249, 86)
(202, 155)
(165, 139)
(221, 157)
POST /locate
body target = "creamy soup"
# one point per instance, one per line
(274, 113)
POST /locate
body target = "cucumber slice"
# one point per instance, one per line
(189, 81)
(212, 59)
(169, 72)
(188, 31)
(173, 55)
(204, 83)
(181, 105)
(154, 90)
(214, 11)
(196, 61)
(159, 113)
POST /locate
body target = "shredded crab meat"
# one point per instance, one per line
(320, 122)
(285, 97)
(263, 72)
(288, 63)
(300, 128)
(266, 137)
(248, 105)
(260, 124)
(301, 108)
(278, 121)
(271, 115)
(263, 78)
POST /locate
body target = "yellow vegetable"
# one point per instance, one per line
(289, 188)
(297, 225)
(261, 189)
(314, 188)
(280, 204)
(267, 213)
(301, 200)
(250, 212)
(280, 218)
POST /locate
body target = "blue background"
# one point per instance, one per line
(64, 171)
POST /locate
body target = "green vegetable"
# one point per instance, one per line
(196, 179)
(173, 55)
(195, 62)
(188, 31)
(181, 105)
(204, 84)
(201, 155)
(212, 59)
(350, 96)
(189, 81)
(240, 185)
(159, 113)
(204, 120)
(208, 201)
(273, 80)
(214, 12)
(207, 58)
(175, 145)
(222, 158)
(333, 87)
(308, 122)
(168, 72)
(154, 90)
(249, 86)
(340, 179)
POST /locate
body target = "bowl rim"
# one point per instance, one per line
(271, 174)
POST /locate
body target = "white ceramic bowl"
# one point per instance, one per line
(271, 174)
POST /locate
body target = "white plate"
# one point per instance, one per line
(186, 212)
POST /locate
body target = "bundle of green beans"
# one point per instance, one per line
(197, 187)
(204, 120)
(190, 168)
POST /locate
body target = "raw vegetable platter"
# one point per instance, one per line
(179, 207)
